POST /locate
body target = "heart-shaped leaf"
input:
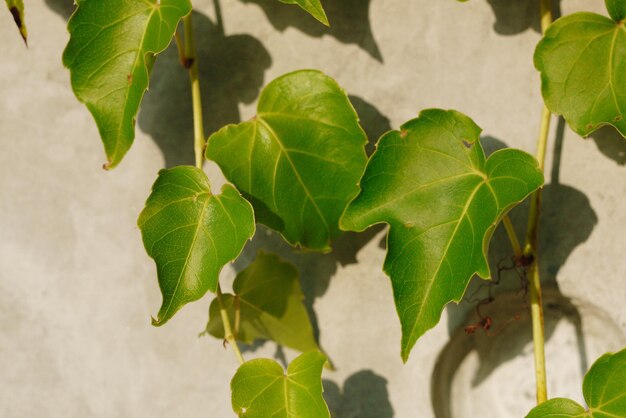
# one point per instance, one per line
(269, 299)
(582, 59)
(16, 7)
(604, 389)
(110, 53)
(191, 234)
(299, 160)
(313, 7)
(431, 184)
(260, 388)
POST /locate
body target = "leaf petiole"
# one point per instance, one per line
(192, 65)
(228, 331)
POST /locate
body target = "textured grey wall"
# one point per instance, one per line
(77, 289)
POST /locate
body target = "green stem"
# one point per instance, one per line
(228, 331)
(510, 231)
(531, 246)
(188, 57)
(192, 65)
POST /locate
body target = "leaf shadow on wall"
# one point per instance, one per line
(610, 143)
(63, 7)
(316, 269)
(365, 395)
(510, 332)
(349, 22)
(232, 70)
(513, 17)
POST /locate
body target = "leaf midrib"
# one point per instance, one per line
(452, 236)
(140, 53)
(185, 265)
(295, 171)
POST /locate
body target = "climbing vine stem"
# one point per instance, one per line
(188, 54)
(191, 64)
(531, 246)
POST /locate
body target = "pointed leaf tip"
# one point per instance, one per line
(442, 200)
(16, 8)
(110, 73)
(313, 7)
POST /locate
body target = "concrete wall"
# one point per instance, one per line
(77, 289)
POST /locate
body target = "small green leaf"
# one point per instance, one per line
(191, 234)
(558, 408)
(617, 9)
(299, 160)
(604, 389)
(16, 7)
(260, 389)
(582, 60)
(111, 46)
(313, 7)
(269, 298)
(431, 184)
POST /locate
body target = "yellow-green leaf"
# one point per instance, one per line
(269, 299)
(16, 7)
(261, 389)
(604, 389)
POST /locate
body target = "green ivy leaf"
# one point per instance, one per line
(16, 7)
(431, 184)
(191, 234)
(299, 160)
(558, 408)
(110, 53)
(269, 298)
(582, 60)
(313, 7)
(604, 389)
(260, 389)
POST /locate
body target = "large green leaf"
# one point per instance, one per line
(604, 389)
(314, 7)
(582, 59)
(260, 389)
(16, 7)
(431, 184)
(191, 234)
(299, 160)
(269, 298)
(110, 53)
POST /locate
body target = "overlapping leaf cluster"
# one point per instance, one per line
(299, 167)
